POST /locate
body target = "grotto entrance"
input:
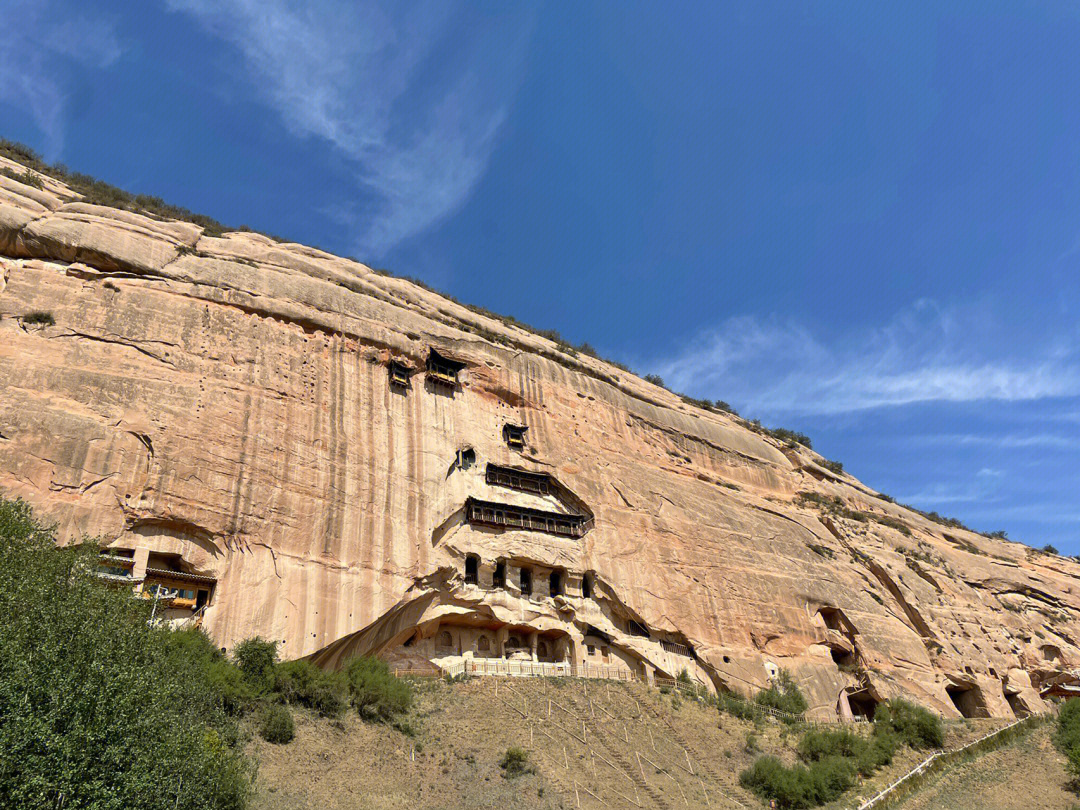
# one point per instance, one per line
(1016, 703)
(862, 703)
(968, 699)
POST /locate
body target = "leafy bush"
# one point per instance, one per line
(515, 762)
(818, 744)
(655, 379)
(98, 708)
(256, 658)
(735, 706)
(867, 753)
(801, 785)
(374, 691)
(277, 724)
(42, 318)
(1067, 736)
(783, 695)
(913, 725)
(1050, 549)
(833, 466)
(304, 683)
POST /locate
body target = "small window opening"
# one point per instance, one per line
(399, 374)
(586, 586)
(555, 583)
(525, 581)
(498, 579)
(638, 629)
(472, 570)
(604, 653)
(514, 435)
(466, 458)
(591, 649)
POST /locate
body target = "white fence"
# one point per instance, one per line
(939, 759)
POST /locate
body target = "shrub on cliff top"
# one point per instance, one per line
(97, 708)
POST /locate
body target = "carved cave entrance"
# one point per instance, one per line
(1016, 703)
(968, 700)
(862, 703)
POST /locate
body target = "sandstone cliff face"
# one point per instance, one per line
(223, 407)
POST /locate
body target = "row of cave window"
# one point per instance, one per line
(556, 579)
(444, 642)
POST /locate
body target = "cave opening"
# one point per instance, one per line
(862, 703)
(1016, 703)
(968, 700)
(843, 658)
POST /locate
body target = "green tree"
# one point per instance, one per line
(256, 658)
(98, 709)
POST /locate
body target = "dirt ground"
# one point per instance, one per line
(1027, 774)
(591, 745)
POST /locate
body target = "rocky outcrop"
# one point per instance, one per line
(223, 406)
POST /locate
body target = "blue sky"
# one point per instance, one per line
(856, 222)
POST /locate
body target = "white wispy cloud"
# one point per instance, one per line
(1006, 441)
(412, 98)
(925, 354)
(984, 489)
(41, 44)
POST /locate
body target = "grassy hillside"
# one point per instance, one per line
(461, 731)
(1027, 774)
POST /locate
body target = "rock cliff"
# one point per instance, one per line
(290, 444)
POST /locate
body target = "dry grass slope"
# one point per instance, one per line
(605, 745)
(1027, 774)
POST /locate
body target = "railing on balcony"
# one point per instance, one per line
(535, 483)
(506, 516)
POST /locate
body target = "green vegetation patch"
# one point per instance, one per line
(831, 759)
(98, 708)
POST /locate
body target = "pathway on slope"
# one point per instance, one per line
(1026, 774)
